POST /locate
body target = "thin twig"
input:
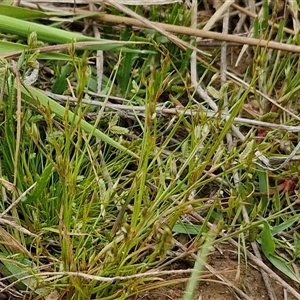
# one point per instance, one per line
(140, 110)
(161, 110)
(7, 222)
(16, 202)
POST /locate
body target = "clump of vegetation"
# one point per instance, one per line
(116, 149)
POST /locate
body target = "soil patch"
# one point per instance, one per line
(225, 260)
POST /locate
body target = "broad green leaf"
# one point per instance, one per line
(8, 47)
(187, 228)
(281, 265)
(44, 33)
(60, 83)
(26, 13)
(285, 225)
(267, 240)
(20, 267)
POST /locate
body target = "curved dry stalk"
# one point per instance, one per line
(16, 202)
(179, 42)
(199, 33)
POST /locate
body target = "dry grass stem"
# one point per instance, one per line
(199, 33)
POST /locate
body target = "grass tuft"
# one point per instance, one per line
(103, 178)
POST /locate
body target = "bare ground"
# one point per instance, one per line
(225, 260)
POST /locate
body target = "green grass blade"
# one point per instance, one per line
(281, 265)
(263, 188)
(20, 267)
(190, 229)
(267, 240)
(51, 35)
(60, 111)
(285, 225)
(40, 186)
(26, 13)
(199, 265)
(8, 47)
